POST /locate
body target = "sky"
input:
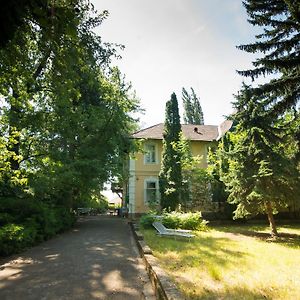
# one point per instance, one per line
(170, 44)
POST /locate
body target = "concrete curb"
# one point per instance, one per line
(164, 288)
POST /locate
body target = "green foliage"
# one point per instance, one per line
(147, 220)
(5, 218)
(176, 220)
(180, 220)
(259, 175)
(16, 14)
(102, 205)
(200, 184)
(14, 238)
(193, 221)
(172, 220)
(271, 179)
(278, 45)
(28, 221)
(196, 180)
(193, 113)
(170, 177)
(96, 201)
(182, 146)
(65, 118)
(214, 167)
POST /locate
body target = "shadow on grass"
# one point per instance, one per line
(287, 239)
(235, 293)
(223, 264)
(206, 251)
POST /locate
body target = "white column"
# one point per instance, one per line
(131, 186)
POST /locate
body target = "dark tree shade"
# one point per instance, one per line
(280, 45)
(193, 113)
(14, 12)
(170, 177)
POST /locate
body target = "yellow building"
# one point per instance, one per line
(145, 166)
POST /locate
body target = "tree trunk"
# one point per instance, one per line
(269, 212)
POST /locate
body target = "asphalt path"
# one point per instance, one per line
(97, 259)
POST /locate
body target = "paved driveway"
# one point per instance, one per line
(95, 260)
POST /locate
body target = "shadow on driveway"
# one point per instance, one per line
(97, 259)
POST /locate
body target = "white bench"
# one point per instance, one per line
(162, 230)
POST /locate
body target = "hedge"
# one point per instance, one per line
(26, 222)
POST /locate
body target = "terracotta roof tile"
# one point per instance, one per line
(191, 132)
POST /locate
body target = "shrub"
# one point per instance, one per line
(172, 220)
(14, 238)
(5, 218)
(66, 218)
(176, 220)
(147, 220)
(180, 220)
(45, 222)
(193, 221)
(52, 220)
(28, 221)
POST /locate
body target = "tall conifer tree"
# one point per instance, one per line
(280, 45)
(193, 113)
(170, 177)
(259, 172)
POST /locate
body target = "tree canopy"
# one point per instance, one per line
(259, 161)
(279, 46)
(193, 113)
(66, 114)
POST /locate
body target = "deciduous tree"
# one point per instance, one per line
(66, 117)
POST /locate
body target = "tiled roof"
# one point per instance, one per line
(190, 132)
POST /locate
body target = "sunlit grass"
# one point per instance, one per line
(225, 263)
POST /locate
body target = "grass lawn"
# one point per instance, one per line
(233, 262)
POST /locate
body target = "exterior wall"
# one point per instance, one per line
(140, 172)
(145, 171)
(200, 149)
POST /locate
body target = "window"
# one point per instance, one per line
(151, 191)
(150, 154)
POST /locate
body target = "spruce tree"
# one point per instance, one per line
(170, 176)
(259, 172)
(262, 174)
(279, 45)
(193, 113)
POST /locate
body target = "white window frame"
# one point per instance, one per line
(147, 153)
(151, 180)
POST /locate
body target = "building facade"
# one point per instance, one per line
(143, 185)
